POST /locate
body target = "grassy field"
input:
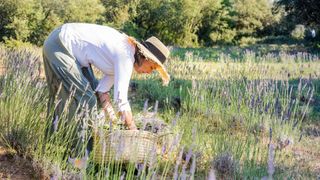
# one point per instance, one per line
(236, 113)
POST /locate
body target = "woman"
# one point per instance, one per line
(71, 49)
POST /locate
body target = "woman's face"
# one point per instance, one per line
(146, 67)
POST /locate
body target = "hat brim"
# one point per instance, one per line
(161, 69)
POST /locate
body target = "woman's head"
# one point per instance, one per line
(150, 55)
(143, 65)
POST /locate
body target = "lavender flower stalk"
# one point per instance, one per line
(271, 161)
(212, 175)
(175, 175)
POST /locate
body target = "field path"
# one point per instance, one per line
(14, 167)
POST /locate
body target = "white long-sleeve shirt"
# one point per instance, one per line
(108, 50)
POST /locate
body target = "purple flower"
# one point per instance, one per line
(188, 157)
(140, 167)
(123, 176)
(156, 107)
(193, 166)
(271, 160)
(145, 106)
(154, 175)
(163, 149)
(174, 143)
(107, 173)
(270, 134)
(175, 175)
(174, 122)
(212, 175)
(57, 173)
(55, 123)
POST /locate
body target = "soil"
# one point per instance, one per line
(307, 155)
(15, 167)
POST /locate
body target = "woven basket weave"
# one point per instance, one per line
(125, 146)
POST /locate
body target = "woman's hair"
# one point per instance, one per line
(138, 57)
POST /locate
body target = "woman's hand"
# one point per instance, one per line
(106, 105)
(126, 116)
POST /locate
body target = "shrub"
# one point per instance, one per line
(298, 32)
(13, 43)
(225, 165)
(247, 40)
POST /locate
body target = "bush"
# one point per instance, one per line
(226, 36)
(247, 41)
(298, 32)
(32, 20)
(225, 165)
(13, 43)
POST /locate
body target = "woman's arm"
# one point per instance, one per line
(106, 105)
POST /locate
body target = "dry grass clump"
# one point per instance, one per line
(225, 166)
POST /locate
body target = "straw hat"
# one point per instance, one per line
(153, 49)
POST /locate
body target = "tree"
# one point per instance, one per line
(119, 12)
(228, 21)
(216, 24)
(20, 17)
(58, 12)
(173, 21)
(305, 12)
(251, 16)
(7, 10)
(32, 20)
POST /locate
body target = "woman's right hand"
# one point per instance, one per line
(106, 104)
(126, 116)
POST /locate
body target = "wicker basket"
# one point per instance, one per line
(125, 146)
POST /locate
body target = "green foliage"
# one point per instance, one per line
(228, 21)
(299, 12)
(216, 24)
(13, 43)
(186, 23)
(251, 16)
(174, 22)
(247, 40)
(21, 100)
(32, 20)
(304, 12)
(23, 17)
(7, 9)
(298, 32)
(119, 12)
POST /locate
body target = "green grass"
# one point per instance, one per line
(235, 106)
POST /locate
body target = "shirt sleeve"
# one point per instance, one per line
(105, 83)
(123, 70)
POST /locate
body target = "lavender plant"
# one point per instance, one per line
(236, 106)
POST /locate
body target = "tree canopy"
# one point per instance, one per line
(305, 12)
(176, 22)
